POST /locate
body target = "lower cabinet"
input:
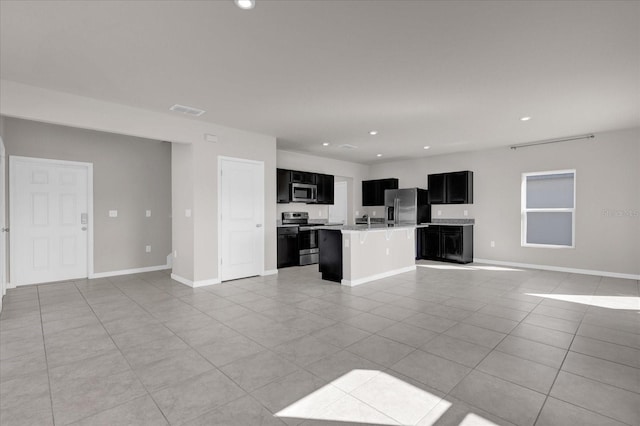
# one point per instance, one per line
(288, 252)
(330, 262)
(445, 242)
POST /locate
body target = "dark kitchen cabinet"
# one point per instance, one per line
(373, 190)
(325, 184)
(303, 177)
(451, 188)
(428, 240)
(288, 252)
(446, 242)
(330, 259)
(437, 189)
(284, 185)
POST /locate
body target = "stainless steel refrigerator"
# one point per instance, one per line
(407, 206)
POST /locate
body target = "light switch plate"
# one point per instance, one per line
(147, 249)
(187, 213)
(148, 213)
(113, 213)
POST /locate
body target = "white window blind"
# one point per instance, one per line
(548, 209)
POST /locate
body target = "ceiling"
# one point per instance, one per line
(452, 75)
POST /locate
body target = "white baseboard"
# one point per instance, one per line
(559, 269)
(377, 276)
(269, 272)
(195, 284)
(129, 271)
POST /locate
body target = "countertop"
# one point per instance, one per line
(425, 225)
(366, 228)
(314, 224)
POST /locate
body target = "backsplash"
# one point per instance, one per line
(454, 221)
(452, 211)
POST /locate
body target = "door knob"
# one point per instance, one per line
(5, 230)
(258, 225)
(84, 228)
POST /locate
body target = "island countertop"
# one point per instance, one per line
(346, 229)
(354, 255)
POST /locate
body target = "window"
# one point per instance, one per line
(548, 209)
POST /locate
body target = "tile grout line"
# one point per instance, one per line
(546, 398)
(480, 362)
(46, 358)
(125, 359)
(198, 352)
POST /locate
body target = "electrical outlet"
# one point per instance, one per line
(147, 249)
(439, 212)
(113, 213)
(357, 213)
(187, 213)
(346, 243)
(374, 212)
(148, 213)
(319, 213)
(387, 251)
(466, 212)
(175, 254)
(493, 243)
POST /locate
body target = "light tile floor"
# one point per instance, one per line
(444, 345)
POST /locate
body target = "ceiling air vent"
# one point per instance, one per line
(347, 146)
(195, 112)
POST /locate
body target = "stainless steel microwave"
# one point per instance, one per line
(303, 193)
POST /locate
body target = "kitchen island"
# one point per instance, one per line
(353, 255)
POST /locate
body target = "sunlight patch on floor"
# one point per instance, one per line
(462, 268)
(470, 268)
(382, 400)
(496, 268)
(611, 302)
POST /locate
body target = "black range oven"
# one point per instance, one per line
(308, 245)
(308, 251)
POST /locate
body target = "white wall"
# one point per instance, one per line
(352, 173)
(607, 179)
(181, 200)
(33, 103)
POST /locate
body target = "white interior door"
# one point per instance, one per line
(49, 201)
(3, 226)
(241, 201)
(338, 211)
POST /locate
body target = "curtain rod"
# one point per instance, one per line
(573, 138)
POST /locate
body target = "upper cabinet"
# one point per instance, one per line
(373, 190)
(324, 185)
(284, 185)
(303, 177)
(451, 188)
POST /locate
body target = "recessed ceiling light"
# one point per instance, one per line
(525, 118)
(325, 144)
(378, 155)
(187, 110)
(427, 147)
(373, 132)
(246, 4)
